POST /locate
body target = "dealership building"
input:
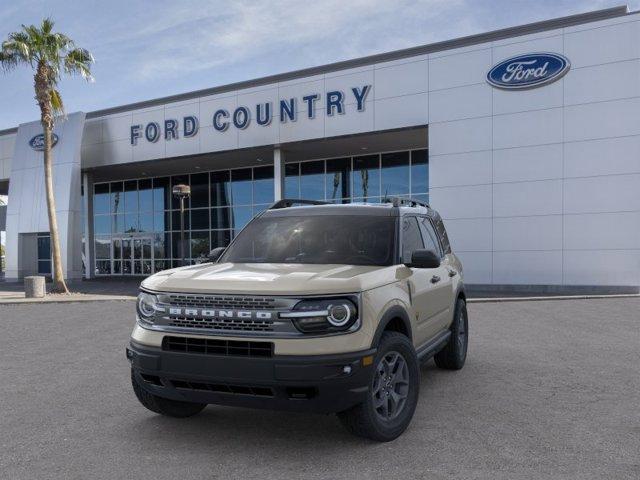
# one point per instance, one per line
(526, 140)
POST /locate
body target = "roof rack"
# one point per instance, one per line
(290, 202)
(403, 201)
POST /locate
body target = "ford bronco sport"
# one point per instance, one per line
(313, 307)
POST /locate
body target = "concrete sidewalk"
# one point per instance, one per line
(81, 291)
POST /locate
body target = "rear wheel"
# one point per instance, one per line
(453, 356)
(164, 406)
(393, 392)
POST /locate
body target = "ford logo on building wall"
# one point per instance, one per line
(528, 71)
(37, 142)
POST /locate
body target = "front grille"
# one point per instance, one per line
(224, 388)
(238, 324)
(208, 346)
(222, 301)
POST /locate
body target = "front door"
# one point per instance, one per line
(132, 255)
(429, 287)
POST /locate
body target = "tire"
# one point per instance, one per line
(165, 406)
(368, 419)
(454, 354)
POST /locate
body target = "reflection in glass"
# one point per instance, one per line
(199, 244)
(200, 190)
(220, 218)
(220, 238)
(176, 219)
(116, 197)
(338, 179)
(292, 180)
(117, 223)
(395, 173)
(161, 194)
(240, 216)
(145, 222)
(263, 185)
(117, 248)
(101, 198)
(312, 180)
(241, 186)
(366, 177)
(200, 219)
(103, 249)
(220, 189)
(131, 196)
(160, 240)
(419, 171)
(102, 224)
(130, 222)
(145, 195)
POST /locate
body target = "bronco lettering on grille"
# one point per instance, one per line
(212, 313)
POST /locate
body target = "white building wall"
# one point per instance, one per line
(542, 186)
(7, 143)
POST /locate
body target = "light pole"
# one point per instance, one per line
(181, 192)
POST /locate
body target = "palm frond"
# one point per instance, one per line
(56, 102)
(78, 61)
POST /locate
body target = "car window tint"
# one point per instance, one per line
(429, 235)
(411, 238)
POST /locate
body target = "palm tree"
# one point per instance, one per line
(49, 54)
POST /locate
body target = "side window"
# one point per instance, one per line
(442, 233)
(429, 235)
(411, 238)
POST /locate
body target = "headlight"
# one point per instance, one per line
(146, 306)
(324, 315)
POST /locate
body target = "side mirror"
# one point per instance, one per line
(424, 259)
(215, 254)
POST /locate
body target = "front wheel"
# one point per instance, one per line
(453, 356)
(164, 406)
(393, 392)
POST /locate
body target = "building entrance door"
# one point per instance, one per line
(132, 255)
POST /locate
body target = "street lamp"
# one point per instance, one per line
(181, 192)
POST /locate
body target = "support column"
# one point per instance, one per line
(278, 174)
(87, 205)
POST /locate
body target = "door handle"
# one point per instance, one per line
(452, 273)
(435, 279)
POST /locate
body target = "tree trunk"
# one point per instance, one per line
(59, 285)
(46, 118)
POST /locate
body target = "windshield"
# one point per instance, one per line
(348, 239)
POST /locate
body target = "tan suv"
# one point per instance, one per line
(313, 307)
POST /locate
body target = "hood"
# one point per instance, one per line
(271, 278)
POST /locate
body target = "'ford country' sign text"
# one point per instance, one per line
(528, 71)
(37, 142)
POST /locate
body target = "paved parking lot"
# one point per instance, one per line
(551, 390)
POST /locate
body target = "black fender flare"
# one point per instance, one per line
(396, 311)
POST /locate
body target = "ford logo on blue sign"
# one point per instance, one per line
(37, 142)
(528, 71)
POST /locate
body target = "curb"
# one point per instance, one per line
(31, 301)
(550, 298)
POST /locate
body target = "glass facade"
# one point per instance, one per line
(365, 178)
(136, 223)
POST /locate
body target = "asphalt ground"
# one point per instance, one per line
(551, 390)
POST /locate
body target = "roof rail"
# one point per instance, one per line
(403, 201)
(290, 202)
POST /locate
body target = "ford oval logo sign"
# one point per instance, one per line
(528, 71)
(37, 142)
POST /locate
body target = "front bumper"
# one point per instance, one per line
(312, 383)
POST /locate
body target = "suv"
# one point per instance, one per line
(313, 307)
